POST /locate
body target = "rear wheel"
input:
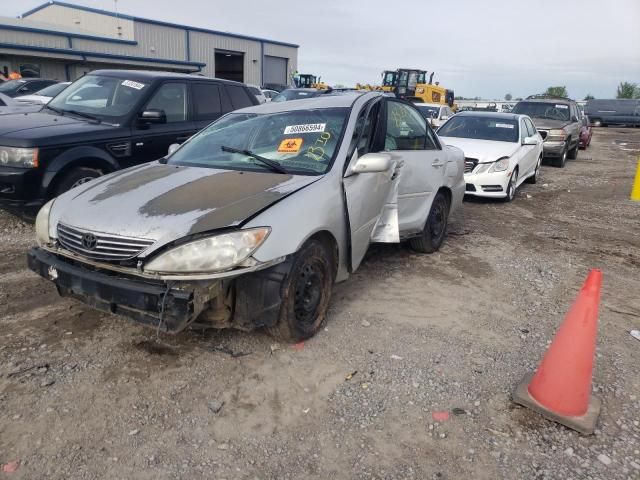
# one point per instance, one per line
(74, 177)
(435, 228)
(305, 294)
(536, 173)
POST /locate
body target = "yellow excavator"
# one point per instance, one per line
(411, 84)
(306, 80)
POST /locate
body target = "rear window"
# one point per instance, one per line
(255, 91)
(239, 97)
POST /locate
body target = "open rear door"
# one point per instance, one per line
(366, 195)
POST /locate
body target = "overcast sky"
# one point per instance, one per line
(481, 48)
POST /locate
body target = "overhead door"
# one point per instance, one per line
(275, 70)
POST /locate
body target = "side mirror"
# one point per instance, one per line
(173, 147)
(530, 141)
(153, 115)
(372, 163)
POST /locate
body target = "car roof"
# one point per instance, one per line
(150, 75)
(302, 90)
(321, 101)
(548, 100)
(504, 115)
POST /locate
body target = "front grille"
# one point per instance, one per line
(470, 164)
(543, 134)
(100, 246)
(492, 188)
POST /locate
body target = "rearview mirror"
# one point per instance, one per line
(372, 163)
(153, 115)
(173, 147)
(530, 141)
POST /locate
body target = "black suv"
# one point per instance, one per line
(558, 121)
(24, 86)
(105, 121)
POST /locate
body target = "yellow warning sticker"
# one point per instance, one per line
(290, 145)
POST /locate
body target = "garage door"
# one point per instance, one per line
(275, 70)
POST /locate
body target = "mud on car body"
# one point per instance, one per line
(249, 223)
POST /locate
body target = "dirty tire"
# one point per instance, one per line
(305, 292)
(75, 177)
(562, 160)
(536, 175)
(511, 186)
(436, 227)
(573, 153)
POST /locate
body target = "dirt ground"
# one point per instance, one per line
(84, 395)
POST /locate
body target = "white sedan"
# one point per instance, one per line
(502, 150)
(435, 113)
(45, 95)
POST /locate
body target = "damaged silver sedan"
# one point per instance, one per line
(250, 222)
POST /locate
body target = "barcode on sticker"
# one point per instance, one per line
(308, 128)
(504, 125)
(132, 84)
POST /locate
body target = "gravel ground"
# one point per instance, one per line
(84, 395)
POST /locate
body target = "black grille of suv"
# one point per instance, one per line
(543, 134)
(100, 246)
(470, 164)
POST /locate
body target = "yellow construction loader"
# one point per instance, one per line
(306, 80)
(412, 85)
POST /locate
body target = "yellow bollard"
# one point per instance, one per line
(635, 191)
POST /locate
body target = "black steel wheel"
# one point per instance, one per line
(435, 228)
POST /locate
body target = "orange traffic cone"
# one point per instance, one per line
(561, 387)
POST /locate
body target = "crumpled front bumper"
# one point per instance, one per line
(140, 300)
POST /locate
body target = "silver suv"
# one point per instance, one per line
(557, 119)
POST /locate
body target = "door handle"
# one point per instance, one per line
(437, 163)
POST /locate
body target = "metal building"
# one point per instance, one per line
(63, 41)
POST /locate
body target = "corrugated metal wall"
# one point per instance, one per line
(285, 52)
(33, 39)
(100, 25)
(203, 48)
(48, 68)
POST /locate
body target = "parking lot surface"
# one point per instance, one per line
(86, 395)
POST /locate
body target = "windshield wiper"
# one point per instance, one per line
(54, 109)
(85, 115)
(272, 164)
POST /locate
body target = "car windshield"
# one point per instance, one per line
(548, 110)
(428, 111)
(108, 98)
(481, 128)
(300, 141)
(10, 85)
(52, 90)
(293, 95)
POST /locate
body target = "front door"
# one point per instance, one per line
(151, 140)
(410, 140)
(365, 193)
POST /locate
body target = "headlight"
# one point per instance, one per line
(19, 157)
(42, 224)
(211, 254)
(501, 165)
(556, 135)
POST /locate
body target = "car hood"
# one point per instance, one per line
(33, 99)
(26, 108)
(484, 151)
(166, 202)
(548, 124)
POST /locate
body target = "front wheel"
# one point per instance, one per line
(74, 177)
(573, 153)
(435, 228)
(305, 294)
(536, 173)
(562, 160)
(511, 187)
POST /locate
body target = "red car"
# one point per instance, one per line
(585, 133)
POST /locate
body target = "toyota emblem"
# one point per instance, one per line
(89, 241)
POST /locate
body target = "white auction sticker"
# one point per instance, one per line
(504, 125)
(562, 106)
(308, 128)
(132, 84)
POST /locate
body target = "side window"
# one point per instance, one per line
(206, 101)
(239, 97)
(530, 127)
(364, 132)
(406, 128)
(172, 99)
(432, 141)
